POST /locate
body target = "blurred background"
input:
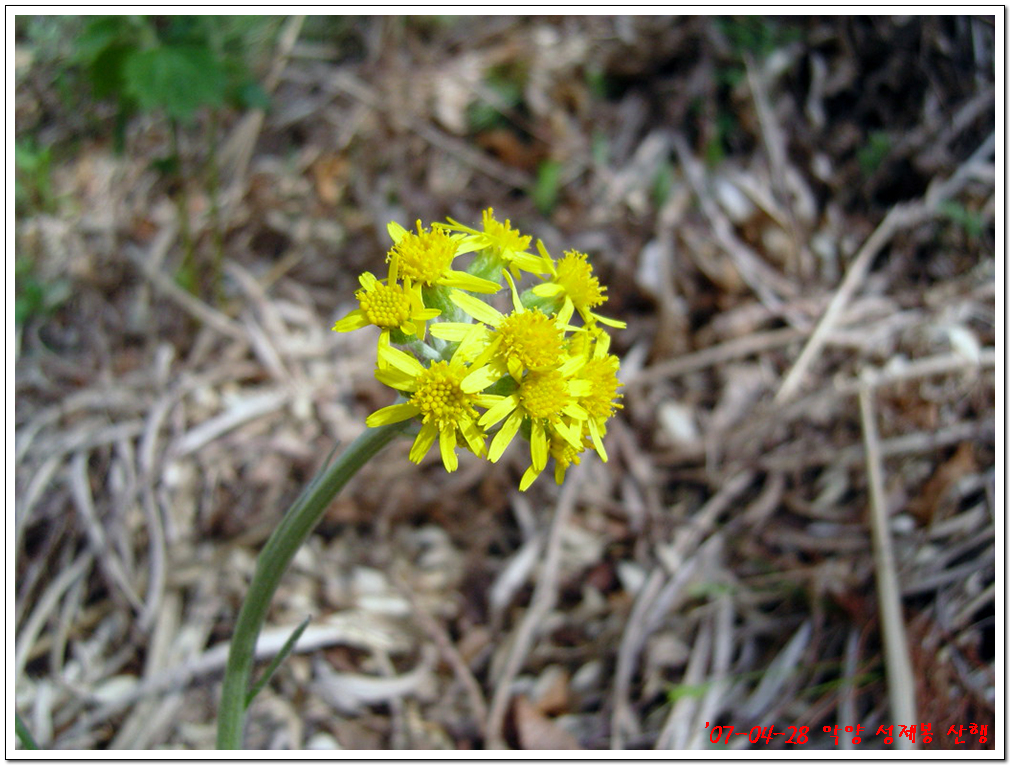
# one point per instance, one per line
(796, 527)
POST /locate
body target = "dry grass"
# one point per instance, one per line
(759, 550)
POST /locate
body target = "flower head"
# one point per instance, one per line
(387, 306)
(501, 241)
(426, 258)
(572, 281)
(437, 397)
(468, 371)
(548, 402)
(565, 455)
(523, 339)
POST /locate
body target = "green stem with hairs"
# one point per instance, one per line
(273, 561)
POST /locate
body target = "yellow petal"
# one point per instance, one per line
(529, 477)
(390, 414)
(469, 282)
(571, 434)
(454, 331)
(517, 305)
(610, 322)
(538, 445)
(400, 360)
(479, 379)
(530, 263)
(498, 411)
(396, 379)
(545, 256)
(396, 231)
(515, 368)
(356, 319)
(504, 436)
(447, 445)
(559, 473)
(576, 411)
(602, 345)
(477, 308)
(594, 433)
(487, 400)
(565, 314)
(423, 442)
(474, 437)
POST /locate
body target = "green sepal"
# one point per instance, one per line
(399, 337)
(437, 296)
(549, 305)
(487, 265)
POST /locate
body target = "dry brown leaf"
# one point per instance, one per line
(536, 731)
(961, 464)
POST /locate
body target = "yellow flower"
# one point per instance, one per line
(425, 258)
(503, 241)
(595, 386)
(600, 397)
(447, 412)
(520, 340)
(548, 400)
(572, 280)
(565, 455)
(559, 383)
(387, 306)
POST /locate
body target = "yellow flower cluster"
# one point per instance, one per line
(473, 372)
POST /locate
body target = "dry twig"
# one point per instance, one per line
(900, 681)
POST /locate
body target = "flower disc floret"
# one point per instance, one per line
(544, 395)
(389, 306)
(572, 287)
(575, 275)
(386, 306)
(601, 401)
(502, 241)
(532, 337)
(501, 236)
(440, 398)
(424, 257)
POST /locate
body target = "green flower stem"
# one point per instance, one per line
(273, 561)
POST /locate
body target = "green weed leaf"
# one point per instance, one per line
(177, 78)
(548, 184)
(286, 649)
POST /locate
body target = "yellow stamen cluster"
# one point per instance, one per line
(482, 373)
(545, 395)
(575, 276)
(532, 338)
(440, 397)
(386, 306)
(425, 256)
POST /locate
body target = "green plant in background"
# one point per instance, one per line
(172, 64)
(27, 740)
(872, 154)
(971, 221)
(33, 193)
(504, 89)
(749, 37)
(34, 296)
(33, 189)
(662, 183)
(547, 186)
(758, 36)
(598, 83)
(175, 66)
